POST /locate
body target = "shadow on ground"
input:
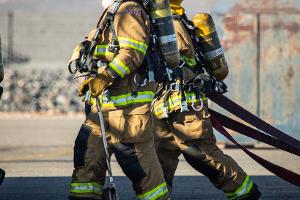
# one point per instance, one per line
(185, 188)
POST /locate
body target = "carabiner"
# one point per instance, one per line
(139, 85)
(193, 104)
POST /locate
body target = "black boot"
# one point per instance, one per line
(2, 175)
(254, 194)
(105, 194)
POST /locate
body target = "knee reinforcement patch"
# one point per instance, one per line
(81, 145)
(127, 159)
(198, 161)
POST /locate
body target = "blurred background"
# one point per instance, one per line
(261, 41)
(40, 113)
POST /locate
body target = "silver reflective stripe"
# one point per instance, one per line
(246, 189)
(213, 54)
(119, 67)
(156, 193)
(123, 100)
(134, 44)
(167, 39)
(132, 99)
(159, 193)
(82, 188)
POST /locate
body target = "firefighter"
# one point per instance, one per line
(189, 131)
(125, 101)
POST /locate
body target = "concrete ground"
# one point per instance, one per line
(36, 153)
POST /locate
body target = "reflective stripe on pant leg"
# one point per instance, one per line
(244, 189)
(86, 188)
(155, 193)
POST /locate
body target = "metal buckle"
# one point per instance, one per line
(106, 96)
(193, 104)
(101, 63)
(184, 106)
(182, 63)
(174, 86)
(165, 112)
(137, 84)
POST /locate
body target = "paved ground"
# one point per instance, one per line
(37, 156)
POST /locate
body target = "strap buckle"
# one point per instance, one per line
(174, 86)
(184, 106)
(113, 46)
(193, 104)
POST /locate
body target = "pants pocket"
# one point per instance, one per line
(139, 129)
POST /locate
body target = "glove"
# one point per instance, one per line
(84, 87)
(100, 82)
(95, 84)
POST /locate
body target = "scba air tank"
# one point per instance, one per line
(210, 45)
(163, 23)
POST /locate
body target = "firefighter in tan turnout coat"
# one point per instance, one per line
(126, 108)
(190, 132)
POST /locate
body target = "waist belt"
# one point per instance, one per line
(270, 135)
(187, 97)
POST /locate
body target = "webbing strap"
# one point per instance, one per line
(248, 117)
(281, 172)
(253, 133)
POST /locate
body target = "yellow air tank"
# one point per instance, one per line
(163, 24)
(210, 46)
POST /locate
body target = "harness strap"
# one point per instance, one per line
(252, 133)
(248, 117)
(281, 172)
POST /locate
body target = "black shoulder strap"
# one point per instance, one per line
(108, 21)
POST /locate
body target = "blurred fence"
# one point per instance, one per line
(263, 51)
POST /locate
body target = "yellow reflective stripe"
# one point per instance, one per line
(134, 44)
(155, 193)
(242, 190)
(119, 67)
(83, 188)
(102, 50)
(173, 102)
(127, 99)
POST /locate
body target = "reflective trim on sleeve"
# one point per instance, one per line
(84, 188)
(102, 50)
(174, 102)
(244, 189)
(133, 44)
(127, 99)
(119, 67)
(155, 193)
